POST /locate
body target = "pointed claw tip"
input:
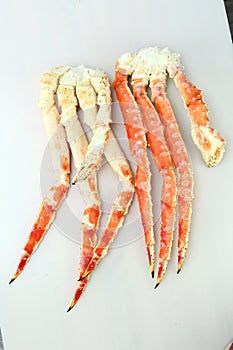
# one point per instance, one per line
(12, 280)
(69, 308)
(152, 274)
(157, 284)
(178, 271)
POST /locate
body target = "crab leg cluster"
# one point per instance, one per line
(154, 120)
(154, 133)
(149, 121)
(87, 89)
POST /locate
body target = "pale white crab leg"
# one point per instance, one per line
(143, 66)
(120, 166)
(88, 187)
(208, 140)
(101, 127)
(60, 160)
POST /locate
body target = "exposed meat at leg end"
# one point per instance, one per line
(208, 140)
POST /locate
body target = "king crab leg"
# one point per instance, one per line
(120, 166)
(88, 187)
(61, 164)
(207, 139)
(179, 156)
(138, 147)
(117, 160)
(101, 127)
(142, 63)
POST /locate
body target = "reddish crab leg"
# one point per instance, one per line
(88, 187)
(208, 140)
(117, 160)
(163, 163)
(138, 146)
(61, 163)
(180, 160)
(141, 66)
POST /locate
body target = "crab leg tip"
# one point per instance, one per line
(74, 181)
(152, 274)
(180, 264)
(157, 284)
(14, 277)
(70, 308)
(12, 280)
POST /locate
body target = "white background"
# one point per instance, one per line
(119, 309)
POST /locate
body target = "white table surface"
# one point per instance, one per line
(119, 309)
